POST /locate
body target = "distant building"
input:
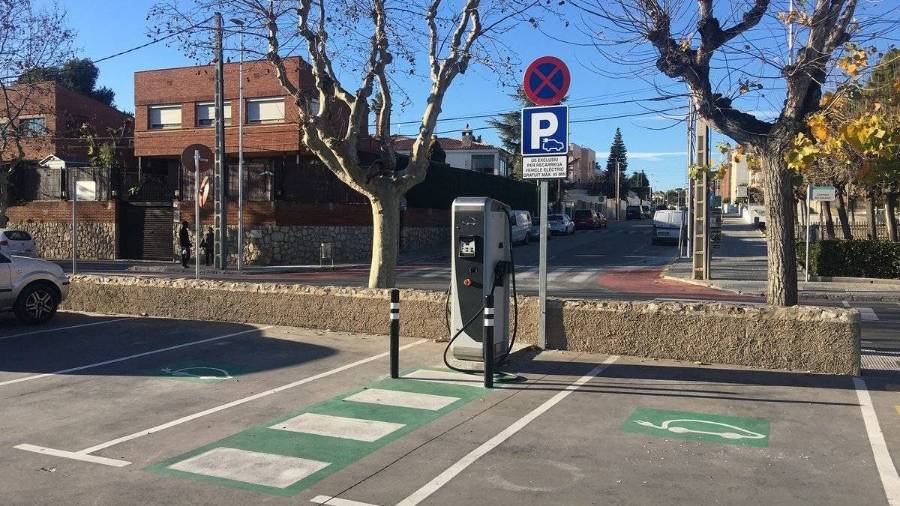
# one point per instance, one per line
(468, 152)
(582, 162)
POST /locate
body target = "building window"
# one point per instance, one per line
(164, 116)
(206, 114)
(265, 110)
(483, 163)
(32, 127)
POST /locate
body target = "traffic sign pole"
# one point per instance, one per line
(542, 271)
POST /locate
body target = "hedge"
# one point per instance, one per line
(444, 183)
(858, 259)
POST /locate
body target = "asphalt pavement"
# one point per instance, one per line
(127, 410)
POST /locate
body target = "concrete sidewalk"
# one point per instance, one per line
(739, 265)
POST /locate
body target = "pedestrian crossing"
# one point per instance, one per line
(525, 275)
(288, 455)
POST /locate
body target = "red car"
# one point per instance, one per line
(588, 219)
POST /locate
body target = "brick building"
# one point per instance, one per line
(48, 119)
(292, 202)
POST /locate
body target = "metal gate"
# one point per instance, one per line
(146, 231)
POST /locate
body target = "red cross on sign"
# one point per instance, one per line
(546, 81)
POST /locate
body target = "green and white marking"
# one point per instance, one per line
(699, 427)
(287, 455)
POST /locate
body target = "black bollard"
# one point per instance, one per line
(488, 341)
(395, 332)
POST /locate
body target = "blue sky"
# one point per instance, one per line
(660, 151)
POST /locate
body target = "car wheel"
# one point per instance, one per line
(37, 303)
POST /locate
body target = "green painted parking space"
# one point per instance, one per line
(286, 455)
(734, 430)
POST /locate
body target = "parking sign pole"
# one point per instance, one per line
(542, 271)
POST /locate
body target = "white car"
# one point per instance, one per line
(561, 224)
(16, 242)
(668, 226)
(31, 288)
(521, 226)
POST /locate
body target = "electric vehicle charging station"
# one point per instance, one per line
(481, 265)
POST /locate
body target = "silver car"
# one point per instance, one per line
(31, 288)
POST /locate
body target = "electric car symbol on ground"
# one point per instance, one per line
(682, 426)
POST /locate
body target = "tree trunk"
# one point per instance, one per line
(890, 206)
(871, 229)
(782, 257)
(829, 221)
(842, 214)
(385, 239)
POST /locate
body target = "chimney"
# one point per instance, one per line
(467, 137)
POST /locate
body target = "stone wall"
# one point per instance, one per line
(823, 340)
(300, 244)
(50, 225)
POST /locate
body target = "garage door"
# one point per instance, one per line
(146, 232)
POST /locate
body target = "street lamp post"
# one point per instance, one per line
(240, 231)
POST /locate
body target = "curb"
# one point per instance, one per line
(848, 296)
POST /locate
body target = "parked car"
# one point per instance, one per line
(603, 221)
(521, 226)
(667, 225)
(535, 233)
(16, 242)
(646, 212)
(586, 219)
(31, 288)
(633, 212)
(561, 224)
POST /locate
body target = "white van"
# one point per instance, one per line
(667, 224)
(521, 226)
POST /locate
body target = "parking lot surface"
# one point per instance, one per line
(127, 410)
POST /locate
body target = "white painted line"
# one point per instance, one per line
(129, 357)
(880, 352)
(528, 272)
(243, 400)
(73, 455)
(339, 426)
(458, 467)
(402, 399)
(58, 329)
(337, 501)
(436, 272)
(583, 276)
(451, 377)
(264, 469)
(886, 470)
(867, 314)
(559, 272)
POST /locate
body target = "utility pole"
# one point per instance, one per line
(221, 175)
(240, 232)
(618, 172)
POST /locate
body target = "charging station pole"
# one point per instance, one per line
(542, 271)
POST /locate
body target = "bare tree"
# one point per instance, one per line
(30, 38)
(374, 44)
(726, 50)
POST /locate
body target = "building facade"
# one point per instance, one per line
(292, 203)
(467, 153)
(582, 163)
(52, 124)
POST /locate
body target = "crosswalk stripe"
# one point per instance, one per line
(867, 314)
(338, 426)
(526, 272)
(402, 399)
(582, 277)
(436, 272)
(559, 272)
(258, 468)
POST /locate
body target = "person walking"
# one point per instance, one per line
(207, 245)
(184, 241)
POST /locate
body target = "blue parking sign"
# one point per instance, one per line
(545, 131)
